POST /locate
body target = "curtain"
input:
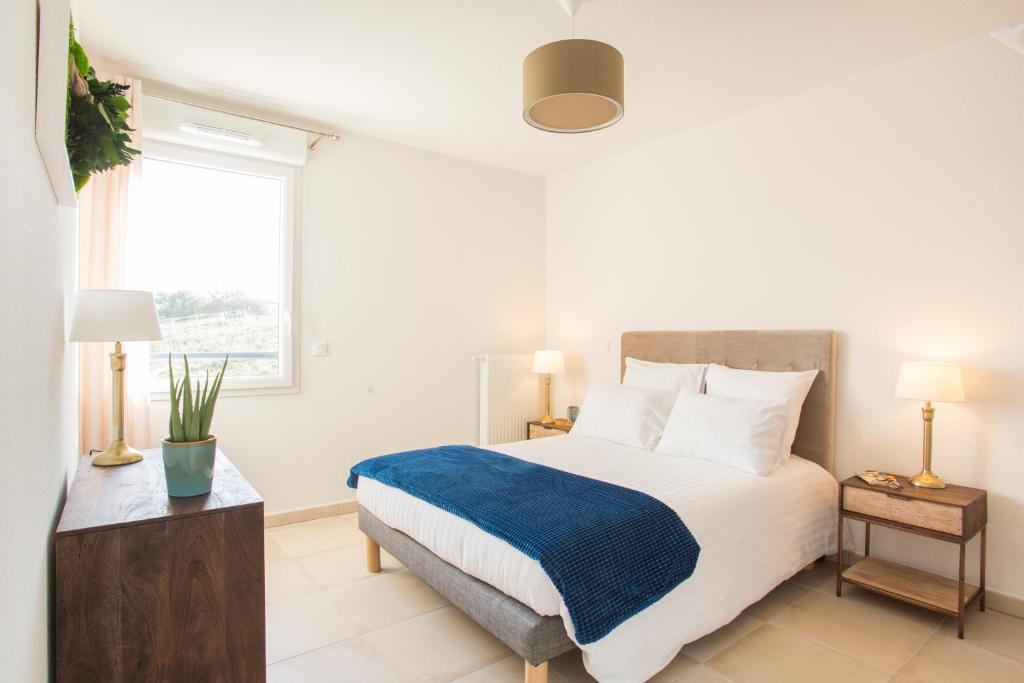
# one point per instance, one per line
(103, 233)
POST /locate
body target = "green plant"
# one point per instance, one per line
(97, 136)
(192, 412)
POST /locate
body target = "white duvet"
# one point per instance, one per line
(754, 532)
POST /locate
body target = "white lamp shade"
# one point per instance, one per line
(103, 315)
(930, 382)
(548, 362)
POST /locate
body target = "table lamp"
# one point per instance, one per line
(117, 315)
(929, 382)
(548, 363)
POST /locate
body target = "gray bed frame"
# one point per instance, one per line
(538, 639)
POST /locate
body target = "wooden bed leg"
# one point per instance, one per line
(810, 567)
(372, 556)
(536, 674)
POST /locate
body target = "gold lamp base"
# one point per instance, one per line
(117, 453)
(547, 419)
(927, 480)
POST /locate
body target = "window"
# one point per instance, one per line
(211, 236)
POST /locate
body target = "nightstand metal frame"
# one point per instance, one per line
(963, 601)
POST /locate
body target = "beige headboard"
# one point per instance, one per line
(760, 350)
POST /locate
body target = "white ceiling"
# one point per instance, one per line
(444, 75)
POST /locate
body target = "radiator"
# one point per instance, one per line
(510, 396)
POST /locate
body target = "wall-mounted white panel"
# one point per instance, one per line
(184, 124)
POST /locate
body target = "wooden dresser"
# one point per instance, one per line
(152, 588)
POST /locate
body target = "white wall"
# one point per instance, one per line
(889, 207)
(411, 263)
(38, 419)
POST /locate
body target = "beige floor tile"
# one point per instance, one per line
(303, 624)
(823, 578)
(675, 669)
(272, 550)
(950, 660)
(384, 600)
(703, 674)
(317, 535)
(779, 599)
(343, 565)
(870, 628)
(508, 670)
(350, 661)
(990, 630)
(438, 646)
(569, 668)
(772, 655)
(710, 645)
(285, 579)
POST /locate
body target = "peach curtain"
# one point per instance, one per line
(102, 234)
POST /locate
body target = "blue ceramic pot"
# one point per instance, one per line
(189, 467)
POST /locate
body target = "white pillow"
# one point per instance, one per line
(664, 376)
(628, 415)
(789, 386)
(737, 432)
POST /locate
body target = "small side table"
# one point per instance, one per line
(535, 429)
(153, 588)
(955, 514)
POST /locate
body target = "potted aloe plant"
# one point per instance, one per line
(190, 449)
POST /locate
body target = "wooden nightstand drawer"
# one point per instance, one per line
(896, 507)
(539, 431)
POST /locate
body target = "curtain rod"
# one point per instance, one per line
(321, 134)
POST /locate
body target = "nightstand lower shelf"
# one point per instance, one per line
(924, 589)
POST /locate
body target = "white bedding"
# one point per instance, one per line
(754, 532)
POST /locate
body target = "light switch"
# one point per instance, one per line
(320, 348)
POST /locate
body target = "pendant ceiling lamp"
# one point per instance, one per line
(574, 85)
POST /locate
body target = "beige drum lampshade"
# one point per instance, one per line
(573, 86)
(114, 315)
(930, 382)
(548, 362)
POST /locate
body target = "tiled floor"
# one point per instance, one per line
(328, 620)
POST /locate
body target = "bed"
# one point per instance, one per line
(754, 532)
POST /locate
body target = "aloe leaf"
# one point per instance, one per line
(204, 432)
(170, 373)
(211, 401)
(176, 428)
(193, 431)
(176, 432)
(186, 416)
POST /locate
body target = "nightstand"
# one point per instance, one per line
(535, 429)
(955, 514)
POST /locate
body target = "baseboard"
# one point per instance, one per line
(274, 519)
(1005, 603)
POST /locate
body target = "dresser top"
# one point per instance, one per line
(104, 497)
(960, 496)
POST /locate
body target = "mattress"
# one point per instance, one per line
(754, 532)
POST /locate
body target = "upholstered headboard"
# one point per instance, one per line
(760, 350)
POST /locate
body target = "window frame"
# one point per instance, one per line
(288, 328)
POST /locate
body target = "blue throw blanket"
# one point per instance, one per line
(610, 551)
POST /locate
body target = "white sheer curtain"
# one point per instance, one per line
(103, 232)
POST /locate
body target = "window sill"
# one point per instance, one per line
(165, 396)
